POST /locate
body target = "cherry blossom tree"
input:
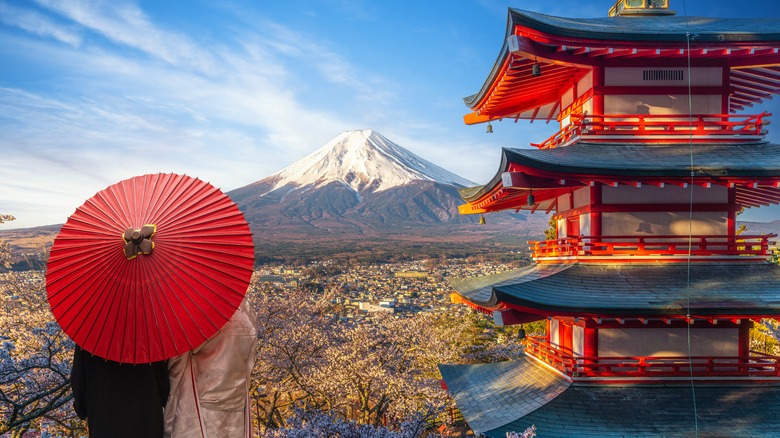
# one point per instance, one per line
(34, 357)
(382, 374)
(528, 433)
(6, 256)
(317, 424)
(293, 332)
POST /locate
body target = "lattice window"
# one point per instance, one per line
(662, 75)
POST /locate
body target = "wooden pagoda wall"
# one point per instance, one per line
(647, 210)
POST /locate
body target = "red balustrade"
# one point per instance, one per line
(656, 245)
(673, 127)
(756, 364)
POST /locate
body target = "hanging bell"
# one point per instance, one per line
(489, 128)
(536, 70)
(482, 220)
(531, 199)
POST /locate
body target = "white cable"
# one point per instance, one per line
(690, 223)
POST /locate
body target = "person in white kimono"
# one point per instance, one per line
(209, 396)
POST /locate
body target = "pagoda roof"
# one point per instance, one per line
(488, 394)
(755, 167)
(493, 394)
(664, 160)
(630, 289)
(567, 48)
(655, 28)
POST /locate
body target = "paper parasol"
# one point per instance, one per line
(149, 268)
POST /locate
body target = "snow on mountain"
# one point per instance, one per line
(362, 160)
(362, 184)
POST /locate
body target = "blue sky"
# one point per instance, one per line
(93, 92)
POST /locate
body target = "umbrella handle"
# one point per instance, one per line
(139, 241)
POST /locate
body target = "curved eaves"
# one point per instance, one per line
(653, 29)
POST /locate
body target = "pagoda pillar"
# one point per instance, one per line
(725, 82)
(744, 338)
(566, 337)
(595, 215)
(590, 347)
(598, 84)
(547, 332)
(732, 213)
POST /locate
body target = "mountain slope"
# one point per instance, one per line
(358, 183)
(363, 160)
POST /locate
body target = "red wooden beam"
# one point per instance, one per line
(751, 91)
(749, 76)
(740, 82)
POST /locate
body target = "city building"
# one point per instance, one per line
(649, 289)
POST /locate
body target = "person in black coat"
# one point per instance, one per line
(119, 400)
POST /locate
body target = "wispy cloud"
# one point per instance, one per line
(125, 23)
(38, 24)
(231, 112)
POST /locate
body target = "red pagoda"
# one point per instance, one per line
(650, 289)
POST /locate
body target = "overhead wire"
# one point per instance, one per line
(690, 221)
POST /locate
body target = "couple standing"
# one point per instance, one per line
(201, 393)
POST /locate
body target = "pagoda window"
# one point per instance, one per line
(561, 226)
(564, 202)
(584, 223)
(664, 90)
(650, 210)
(669, 194)
(663, 223)
(585, 84)
(662, 104)
(568, 97)
(578, 340)
(627, 342)
(554, 332)
(663, 77)
(581, 197)
(577, 100)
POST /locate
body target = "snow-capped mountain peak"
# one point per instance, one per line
(363, 160)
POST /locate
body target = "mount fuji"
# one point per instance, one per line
(359, 195)
(366, 161)
(359, 183)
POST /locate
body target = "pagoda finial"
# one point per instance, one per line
(640, 8)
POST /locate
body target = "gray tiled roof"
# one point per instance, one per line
(480, 289)
(753, 159)
(634, 289)
(660, 28)
(494, 394)
(509, 396)
(670, 30)
(727, 410)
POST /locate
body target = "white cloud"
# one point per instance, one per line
(230, 113)
(125, 23)
(38, 24)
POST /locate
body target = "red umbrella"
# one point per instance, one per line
(149, 268)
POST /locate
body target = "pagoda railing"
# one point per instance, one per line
(656, 245)
(756, 364)
(666, 127)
